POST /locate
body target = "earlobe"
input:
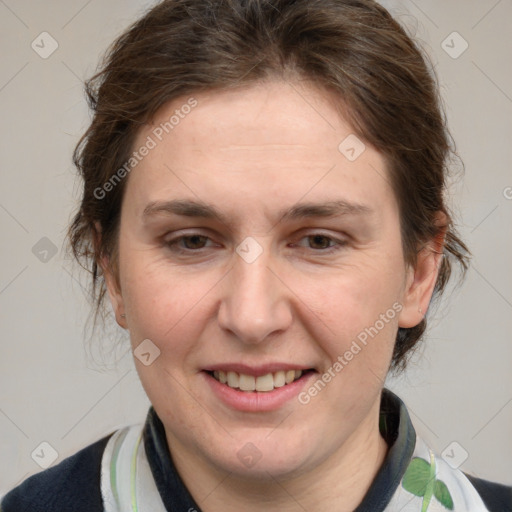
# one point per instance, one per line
(421, 280)
(420, 289)
(111, 283)
(115, 295)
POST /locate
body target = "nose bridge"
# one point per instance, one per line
(254, 304)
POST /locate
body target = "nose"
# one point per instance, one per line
(254, 305)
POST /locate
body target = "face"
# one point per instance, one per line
(252, 249)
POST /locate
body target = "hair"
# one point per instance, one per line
(384, 83)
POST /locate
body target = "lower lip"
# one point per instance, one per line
(257, 401)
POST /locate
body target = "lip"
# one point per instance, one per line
(255, 371)
(256, 401)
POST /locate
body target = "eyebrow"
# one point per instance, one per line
(192, 208)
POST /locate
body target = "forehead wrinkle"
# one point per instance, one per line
(325, 209)
(199, 209)
(185, 208)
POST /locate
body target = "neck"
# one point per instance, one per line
(338, 483)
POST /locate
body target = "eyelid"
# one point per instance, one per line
(172, 243)
(177, 238)
(339, 242)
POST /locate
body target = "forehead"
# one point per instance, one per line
(271, 141)
(276, 119)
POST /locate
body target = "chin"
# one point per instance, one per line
(282, 457)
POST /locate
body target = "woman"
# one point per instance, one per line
(263, 204)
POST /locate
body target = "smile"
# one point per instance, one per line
(262, 383)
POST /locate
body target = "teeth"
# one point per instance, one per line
(247, 382)
(263, 383)
(279, 379)
(290, 376)
(233, 380)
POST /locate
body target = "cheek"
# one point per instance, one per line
(352, 299)
(353, 313)
(164, 305)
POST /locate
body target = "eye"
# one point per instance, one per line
(195, 242)
(187, 243)
(322, 243)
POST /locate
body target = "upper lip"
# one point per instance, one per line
(255, 371)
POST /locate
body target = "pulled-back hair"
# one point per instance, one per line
(386, 87)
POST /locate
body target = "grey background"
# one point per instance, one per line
(55, 390)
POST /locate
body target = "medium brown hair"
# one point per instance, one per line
(354, 48)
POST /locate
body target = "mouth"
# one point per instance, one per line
(262, 383)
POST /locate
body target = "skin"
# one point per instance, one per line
(250, 153)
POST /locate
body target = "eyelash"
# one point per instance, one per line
(171, 244)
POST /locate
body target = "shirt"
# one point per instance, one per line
(133, 466)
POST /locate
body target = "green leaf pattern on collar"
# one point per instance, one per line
(420, 480)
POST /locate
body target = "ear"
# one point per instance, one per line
(421, 279)
(111, 281)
